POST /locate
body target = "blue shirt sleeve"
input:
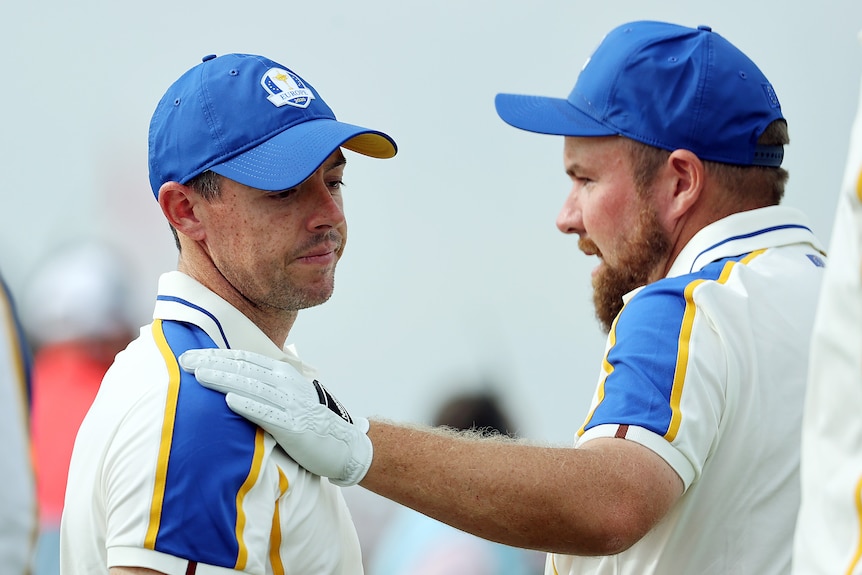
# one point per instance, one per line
(642, 362)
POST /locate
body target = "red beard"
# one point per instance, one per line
(639, 257)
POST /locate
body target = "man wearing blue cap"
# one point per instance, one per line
(246, 163)
(688, 459)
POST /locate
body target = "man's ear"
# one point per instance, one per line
(178, 205)
(690, 177)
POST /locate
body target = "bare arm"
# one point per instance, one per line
(598, 499)
(595, 500)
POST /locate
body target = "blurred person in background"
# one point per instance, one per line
(18, 515)
(415, 544)
(76, 312)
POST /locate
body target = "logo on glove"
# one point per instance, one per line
(329, 401)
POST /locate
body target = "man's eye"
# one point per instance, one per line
(336, 184)
(283, 194)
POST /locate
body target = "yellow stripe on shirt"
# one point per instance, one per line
(167, 434)
(682, 359)
(607, 369)
(685, 343)
(682, 352)
(253, 474)
(858, 554)
(275, 535)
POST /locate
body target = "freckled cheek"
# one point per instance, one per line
(255, 241)
(230, 227)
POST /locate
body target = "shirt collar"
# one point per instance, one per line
(744, 232)
(182, 298)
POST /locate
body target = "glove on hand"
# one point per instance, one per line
(303, 417)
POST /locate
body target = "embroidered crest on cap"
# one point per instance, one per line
(285, 87)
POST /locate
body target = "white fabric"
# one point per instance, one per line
(113, 478)
(730, 380)
(829, 529)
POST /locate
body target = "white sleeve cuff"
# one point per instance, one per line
(652, 441)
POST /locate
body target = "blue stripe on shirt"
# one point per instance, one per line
(643, 359)
(211, 456)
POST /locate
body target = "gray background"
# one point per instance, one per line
(455, 274)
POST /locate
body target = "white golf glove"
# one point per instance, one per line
(303, 417)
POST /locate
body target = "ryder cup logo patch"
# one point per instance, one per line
(285, 87)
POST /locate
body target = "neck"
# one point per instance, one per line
(275, 323)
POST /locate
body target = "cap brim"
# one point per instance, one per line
(545, 115)
(289, 158)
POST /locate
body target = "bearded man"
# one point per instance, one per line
(688, 460)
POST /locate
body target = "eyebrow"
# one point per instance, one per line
(336, 162)
(574, 168)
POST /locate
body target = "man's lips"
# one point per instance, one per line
(319, 259)
(322, 254)
(591, 249)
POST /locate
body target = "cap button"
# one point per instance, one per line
(208, 57)
(705, 28)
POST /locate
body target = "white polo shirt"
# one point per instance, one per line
(165, 476)
(706, 367)
(829, 529)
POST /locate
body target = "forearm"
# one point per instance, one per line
(552, 499)
(598, 499)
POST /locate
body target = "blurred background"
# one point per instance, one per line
(454, 272)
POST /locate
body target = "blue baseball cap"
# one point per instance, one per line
(252, 120)
(667, 86)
